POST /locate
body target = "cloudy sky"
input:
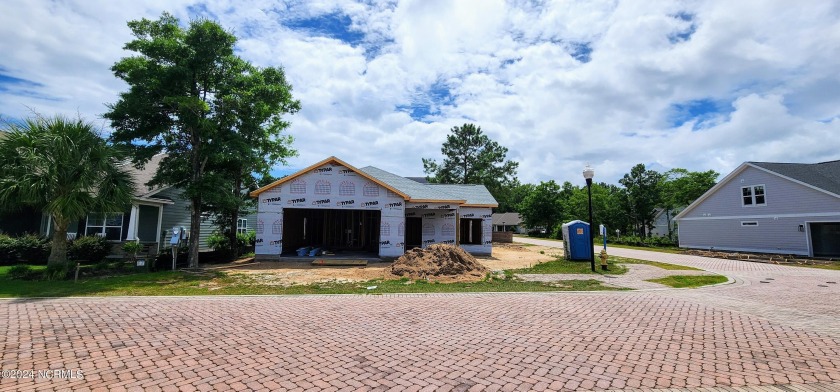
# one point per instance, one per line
(693, 84)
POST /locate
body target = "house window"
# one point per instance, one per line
(471, 232)
(749, 224)
(105, 224)
(753, 195)
(242, 225)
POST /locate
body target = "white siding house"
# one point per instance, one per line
(768, 207)
(335, 207)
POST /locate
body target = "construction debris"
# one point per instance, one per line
(439, 262)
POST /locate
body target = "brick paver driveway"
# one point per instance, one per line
(562, 341)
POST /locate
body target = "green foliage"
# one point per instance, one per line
(132, 247)
(91, 248)
(641, 241)
(470, 157)
(643, 196)
(62, 167)
(217, 241)
(57, 272)
(23, 272)
(543, 207)
(218, 117)
(8, 250)
(32, 249)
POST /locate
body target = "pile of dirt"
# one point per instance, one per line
(438, 262)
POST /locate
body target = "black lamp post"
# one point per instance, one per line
(588, 173)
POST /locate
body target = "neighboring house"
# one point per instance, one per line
(508, 221)
(660, 222)
(336, 207)
(149, 220)
(790, 208)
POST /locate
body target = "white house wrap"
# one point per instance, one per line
(336, 207)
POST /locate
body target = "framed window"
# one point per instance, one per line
(242, 225)
(471, 232)
(753, 195)
(105, 224)
(749, 223)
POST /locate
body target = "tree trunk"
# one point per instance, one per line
(234, 216)
(195, 230)
(58, 252)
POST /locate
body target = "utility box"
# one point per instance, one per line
(576, 242)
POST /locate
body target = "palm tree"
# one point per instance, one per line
(64, 168)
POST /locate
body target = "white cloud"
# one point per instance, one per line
(508, 66)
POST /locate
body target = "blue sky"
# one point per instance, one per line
(693, 84)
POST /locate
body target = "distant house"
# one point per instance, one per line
(790, 208)
(508, 221)
(149, 220)
(335, 207)
(660, 222)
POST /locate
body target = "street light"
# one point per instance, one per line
(588, 173)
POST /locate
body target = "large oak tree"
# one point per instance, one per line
(190, 96)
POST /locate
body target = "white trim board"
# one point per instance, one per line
(766, 216)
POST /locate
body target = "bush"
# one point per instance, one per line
(57, 272)
(163, 260)
(8, 250)
(32, 249)
(90, 248)
(23, 272)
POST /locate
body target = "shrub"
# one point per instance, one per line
(90, 248)
(32, 249)
(218, 241)
(8, 250)
(132, 247)
(57, 272)
(22, 272)
(248, 238)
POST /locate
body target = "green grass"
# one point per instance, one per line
(656, 264)
(219, 283)
(833, 266)
(672, 250)
(683, 281)
(562, 266)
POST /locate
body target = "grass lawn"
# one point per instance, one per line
(562, 266)
(219, 283)
(656, 264)
(683, 281)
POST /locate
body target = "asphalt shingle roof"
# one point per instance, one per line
(823, 175)
(142, 176)
(507, 218)
(473, 194)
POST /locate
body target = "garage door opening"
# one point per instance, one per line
(343, 232)
(825, 239)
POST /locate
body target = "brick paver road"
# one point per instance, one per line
(545, 341)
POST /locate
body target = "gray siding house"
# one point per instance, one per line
(149, 220)
(788, 208)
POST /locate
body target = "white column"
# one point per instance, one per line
(132, 223)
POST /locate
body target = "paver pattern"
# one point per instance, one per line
(658, 339)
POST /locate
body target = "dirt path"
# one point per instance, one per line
(286, 273)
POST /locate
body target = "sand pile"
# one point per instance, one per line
(438, 263)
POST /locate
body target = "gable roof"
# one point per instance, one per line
(144, 175)
(329, 160)
(410, 190)
(475, 195)
(822, 176)
(415, 191)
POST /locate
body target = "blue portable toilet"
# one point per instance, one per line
(576, 242)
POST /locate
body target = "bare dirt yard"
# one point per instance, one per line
(287, 273)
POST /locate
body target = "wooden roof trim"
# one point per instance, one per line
(331, 159)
